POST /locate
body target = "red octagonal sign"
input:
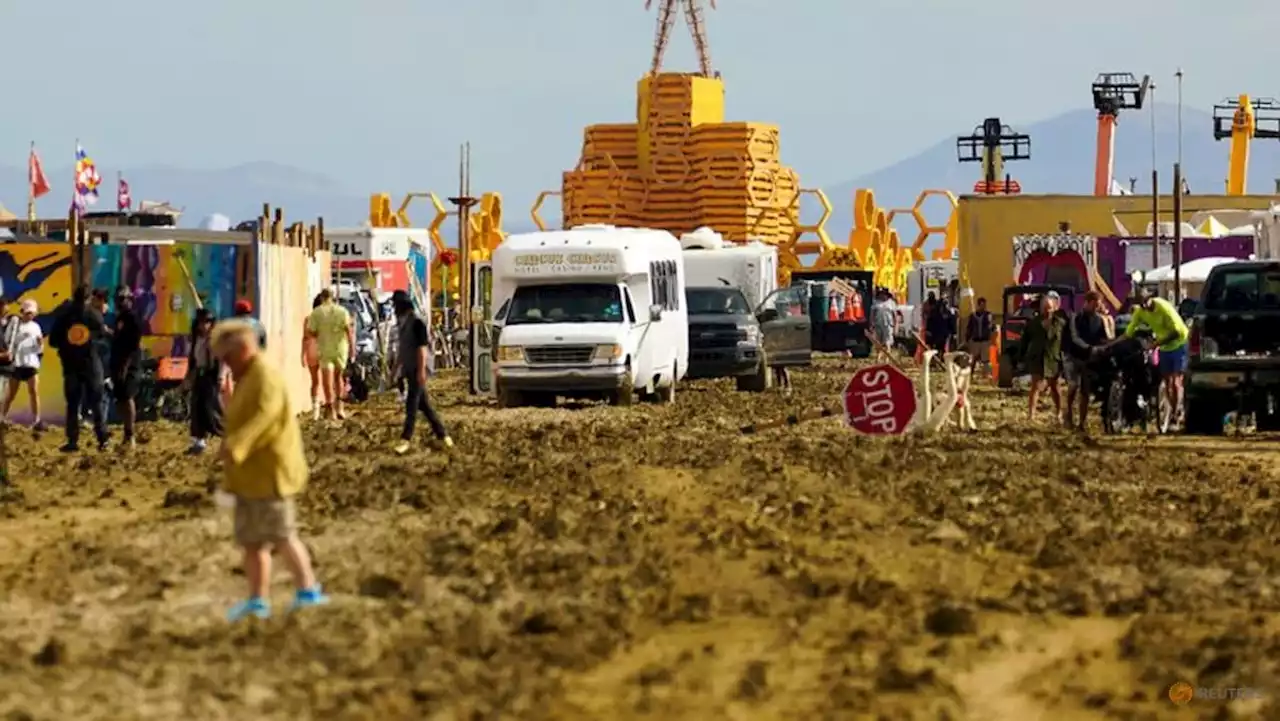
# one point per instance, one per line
(879, 401)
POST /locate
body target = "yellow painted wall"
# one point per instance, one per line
(989, 223)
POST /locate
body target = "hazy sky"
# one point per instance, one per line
(379, 93)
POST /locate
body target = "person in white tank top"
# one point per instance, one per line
(27, 351)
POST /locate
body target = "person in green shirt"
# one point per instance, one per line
(1162, 319)
(1042, 341)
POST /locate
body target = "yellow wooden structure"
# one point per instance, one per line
(483, 234)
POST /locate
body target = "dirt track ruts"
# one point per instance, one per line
(650, 562)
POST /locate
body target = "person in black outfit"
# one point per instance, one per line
(76, 335)
(204, 381)
(940, 325)
(413, 344)
(978, 333)
(126, 363)
(1086, 336)
(98, 302)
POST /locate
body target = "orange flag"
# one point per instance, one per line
(35, 175)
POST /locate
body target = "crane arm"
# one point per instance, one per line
(1242, 129)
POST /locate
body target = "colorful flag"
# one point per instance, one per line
(39, 185)
(123, 200)
(87, 180)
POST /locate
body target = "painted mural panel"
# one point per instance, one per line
(39, 272)
(162, 293)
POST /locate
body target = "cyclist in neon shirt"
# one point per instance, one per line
(1161, 318)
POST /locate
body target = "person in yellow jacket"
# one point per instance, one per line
(1171, 336)
(264, 470)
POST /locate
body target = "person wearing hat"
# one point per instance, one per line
(28, 351)
(412, 346)
(244, 311)
(1161, 318)
(126, 363)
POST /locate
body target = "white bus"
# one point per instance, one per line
(591, 312)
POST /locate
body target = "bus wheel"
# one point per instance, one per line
(667, 394)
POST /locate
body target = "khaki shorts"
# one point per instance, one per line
(264, 522)
(980, 350)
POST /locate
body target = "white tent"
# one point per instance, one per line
(1194, 271)
(1268, 224)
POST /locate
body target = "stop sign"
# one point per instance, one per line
(879, 400)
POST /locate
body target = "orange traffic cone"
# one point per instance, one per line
(833, 314)
(853, 308)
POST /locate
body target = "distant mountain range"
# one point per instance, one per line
(1062, 152)
(237, 192)
(1062, 158)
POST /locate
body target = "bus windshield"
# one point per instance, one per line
(566, 303)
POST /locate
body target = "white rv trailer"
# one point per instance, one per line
(710, 261)
(593, 311)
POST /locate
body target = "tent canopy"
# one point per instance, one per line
(1195, 271)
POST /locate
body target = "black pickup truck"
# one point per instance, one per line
(1234, 350)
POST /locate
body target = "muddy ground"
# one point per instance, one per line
(651, 562)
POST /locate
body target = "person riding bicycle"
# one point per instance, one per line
(1161, 318)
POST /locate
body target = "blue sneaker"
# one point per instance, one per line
(305, 597)
(256, 607)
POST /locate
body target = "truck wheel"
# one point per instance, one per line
(1005, 379)
(509, 398)
(759, 381)
(541, 400)
(623, 396)
(667, 394)
(1205, 418)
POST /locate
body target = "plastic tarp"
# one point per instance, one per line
(1194, 271)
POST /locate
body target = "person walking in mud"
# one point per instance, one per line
(311, 358)
(1086, 337)
(884, 323)
(98, 301)
(1043, 339)
(336, 343)
(264, 470)
(8, 337)
(76, 335)
(126, 364)
(27, 354)
(204, 383)
(978, 332)
(413, 347)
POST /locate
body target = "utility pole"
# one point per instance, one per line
(1177, 233)
(463, 201)
(1177, 203)
(1155, 187)
(1178, 75)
